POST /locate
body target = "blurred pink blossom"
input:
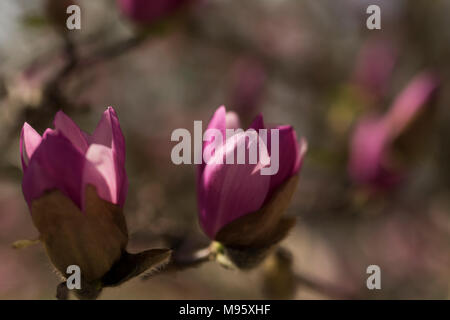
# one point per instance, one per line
(373, 138)
(374, 66)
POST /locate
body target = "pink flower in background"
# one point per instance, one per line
(374, 66)
(227, 192)
(68, 159)
(372, 141)
(149, 11)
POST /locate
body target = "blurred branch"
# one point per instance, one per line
(182, 261)
(53, 93)
(114, 50)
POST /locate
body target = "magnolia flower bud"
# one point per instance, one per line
(372, 161)
(67, 159)
(75, 185)
(238, 206)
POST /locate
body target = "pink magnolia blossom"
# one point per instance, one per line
(227, 192)
(374, 136)
(149, 11)
(68, 159)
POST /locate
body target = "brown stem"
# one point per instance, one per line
(113, 51)
(183, 261)
(62, 293)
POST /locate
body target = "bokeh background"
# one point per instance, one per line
(297, 62)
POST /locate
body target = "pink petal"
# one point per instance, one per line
(64, 124)
(411, 100)
(109, 134)
(232, 120)
(258, 123)
(87, 137)
(288, 155)
(230, 191)
(218, 121)
(367, 149)
(302, 147)
(222, 120)
(56, 164)
(29, 141)
(100, 172)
